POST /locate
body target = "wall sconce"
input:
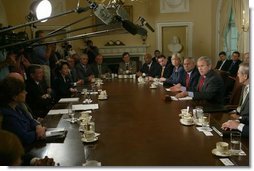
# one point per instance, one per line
(245, 23)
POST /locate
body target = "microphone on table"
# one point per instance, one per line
(144, 22)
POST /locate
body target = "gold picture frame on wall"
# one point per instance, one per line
(96, 20)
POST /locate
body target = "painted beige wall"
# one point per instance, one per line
(202, 14)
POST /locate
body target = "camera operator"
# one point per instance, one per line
(41, 55)
(91, 50)
(6, 60)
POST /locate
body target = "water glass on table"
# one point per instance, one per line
(206, 122)
(235, 143)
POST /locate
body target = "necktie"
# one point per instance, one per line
(187, 81)
(222, 64)
(245, 92)
(127, 66)
(162, 71)
(201, 83)
(99, 69)
(231, 66)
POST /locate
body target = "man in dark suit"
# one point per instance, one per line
(190, 77)
(223, 64)
(157, 53)
(149, 68)
(84, 71)
(98, 68)
(166, 68)
(240, 120)
(232, 73)
(235, 61)
(39, 97)
(210, 86)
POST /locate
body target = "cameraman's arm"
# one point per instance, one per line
(10, 60)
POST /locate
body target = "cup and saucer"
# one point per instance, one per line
(153, 86)
(221, 150)
(92, 163)
(89, 136)
(187, 121)
(102, 97)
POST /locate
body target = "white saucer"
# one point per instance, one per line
(198, 123)
(153, 87)
(185, 123)
(89, 140)
(105, 98)
(217, 153)
(92, 163)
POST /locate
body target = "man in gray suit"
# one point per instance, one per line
(240, 120)
(127, 66)
(210, 85)
(98, 68)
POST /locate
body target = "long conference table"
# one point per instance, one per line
(137, 128)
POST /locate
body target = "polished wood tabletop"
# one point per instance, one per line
(138, 128)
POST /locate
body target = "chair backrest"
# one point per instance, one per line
(236, 93)
(1, 120)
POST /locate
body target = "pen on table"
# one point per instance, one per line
(217, 131)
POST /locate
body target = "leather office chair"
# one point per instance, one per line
(236, 93)
(1, 120)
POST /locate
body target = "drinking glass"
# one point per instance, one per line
(71, 114)
(206, 122)
(89, 151)
(235, 143)
(199, 113)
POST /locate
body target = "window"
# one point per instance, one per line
(232, 37)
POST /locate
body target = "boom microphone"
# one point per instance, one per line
(101, 12)
(144, 22)
(133, 28)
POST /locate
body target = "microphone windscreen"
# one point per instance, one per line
(141, 31)
(103, 14)
(130, 27)
(120, 11)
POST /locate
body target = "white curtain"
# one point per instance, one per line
(238, 8)
(225, 11)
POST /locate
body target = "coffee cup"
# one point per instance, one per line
(89, 135)
(184, 113)
(153, 86)
(120, 76)
(222, 147)
(187, 119)
(84, 114)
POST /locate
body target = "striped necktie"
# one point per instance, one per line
(201, 83)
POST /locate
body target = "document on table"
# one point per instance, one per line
(183, 98)
(65, 100)
(55, 132)
(58, 111)
(85, 106)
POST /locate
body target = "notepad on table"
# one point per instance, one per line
(66, 100)
(182, 98)
(85, 106)
(58, 111)
(55, 132)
